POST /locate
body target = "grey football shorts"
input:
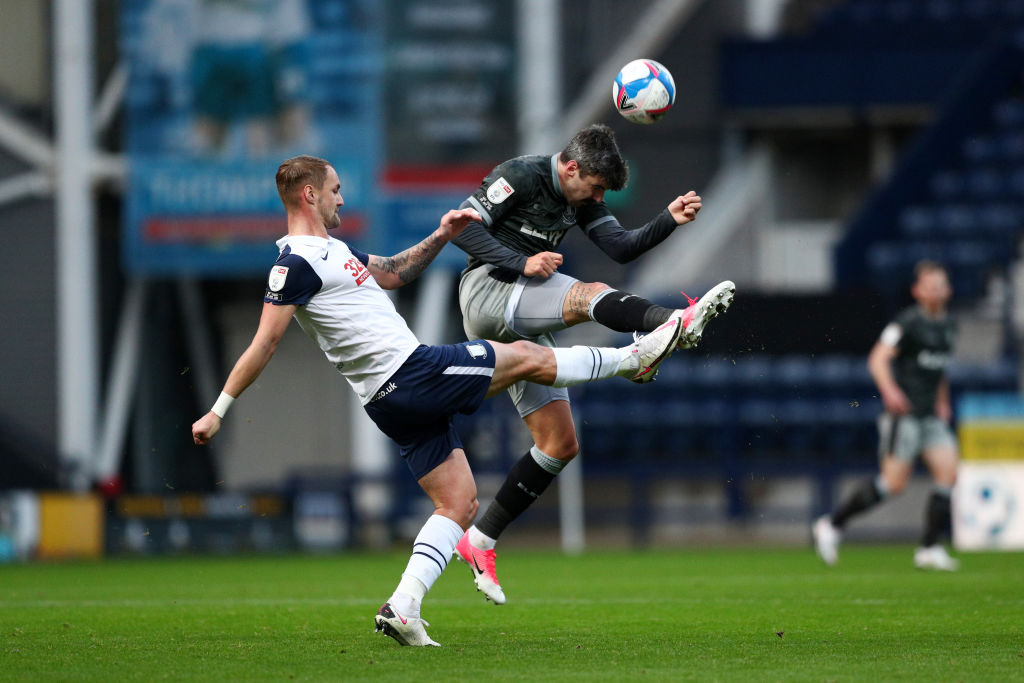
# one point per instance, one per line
(905, 436)
(503, 309)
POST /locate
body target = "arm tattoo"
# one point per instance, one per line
(408, 264)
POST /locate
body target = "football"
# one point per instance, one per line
(643, 91)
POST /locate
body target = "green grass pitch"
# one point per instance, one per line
(743, 615)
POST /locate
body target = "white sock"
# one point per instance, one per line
(480, 540)
(581, 364)
(405, 604)
(431, 551)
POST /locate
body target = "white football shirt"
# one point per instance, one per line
(342, 308)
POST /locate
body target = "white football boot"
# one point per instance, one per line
(648, 352)
(699, 313)
(935, 557)
(826, 540)
(406, 630)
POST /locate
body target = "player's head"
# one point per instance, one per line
(597, 154)
(312, 181)
(931, 287)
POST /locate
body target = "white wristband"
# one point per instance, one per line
(220, 408)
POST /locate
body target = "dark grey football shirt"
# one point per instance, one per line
(524, 212)
(924, 347)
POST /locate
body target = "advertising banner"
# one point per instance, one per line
(220, 92)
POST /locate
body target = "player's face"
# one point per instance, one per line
(331, 200)
(932, 290)
(580, 189)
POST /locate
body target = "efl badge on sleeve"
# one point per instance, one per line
(499, 191)
(278, 274)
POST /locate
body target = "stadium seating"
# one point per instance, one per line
(797, 409)
(958, 196)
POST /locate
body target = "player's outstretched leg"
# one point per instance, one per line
(696, 316)
(407, 630)
(481, 563)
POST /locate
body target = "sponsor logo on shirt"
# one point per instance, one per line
(551, 236)
(932, 360)
(357, 270)
(476, 350)
(384, 392)
(499, 191)
(278, 274)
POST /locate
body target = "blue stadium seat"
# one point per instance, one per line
(794, 375)
(954, 219)
(845, 422)
(941, 10)
(832, 373)
(1009, 113)
(985, 182)
(981, 10)
(759, 426)
(801, 427)
(752, 375)
(714, 426)
(999, 219)
(998, 375)
(1015, 181)
(981, 149)
(946, 184)
(917, 220)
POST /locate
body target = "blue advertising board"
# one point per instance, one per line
(220, 92)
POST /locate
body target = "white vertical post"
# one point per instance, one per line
(77, 309)
(539, 24)
(432, 304)
(121, 385)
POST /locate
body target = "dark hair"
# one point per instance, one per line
(298, 172)
(928, 266)
(595, 150)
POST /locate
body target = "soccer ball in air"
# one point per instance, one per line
(643, 91)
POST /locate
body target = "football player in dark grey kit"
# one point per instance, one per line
(512, 289)
(411, 391)
(908, 365)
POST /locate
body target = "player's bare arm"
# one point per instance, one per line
(392, 272)
(880, 365)
(943, 404)
(685, 207)
(273, 323)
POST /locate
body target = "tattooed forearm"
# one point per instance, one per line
(408, 264)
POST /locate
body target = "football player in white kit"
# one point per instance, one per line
(410, 390)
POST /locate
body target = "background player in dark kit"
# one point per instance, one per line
(908, 365)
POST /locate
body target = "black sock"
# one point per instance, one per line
(625, 312)
(864, 497)
(936, 518)
(523, 485)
